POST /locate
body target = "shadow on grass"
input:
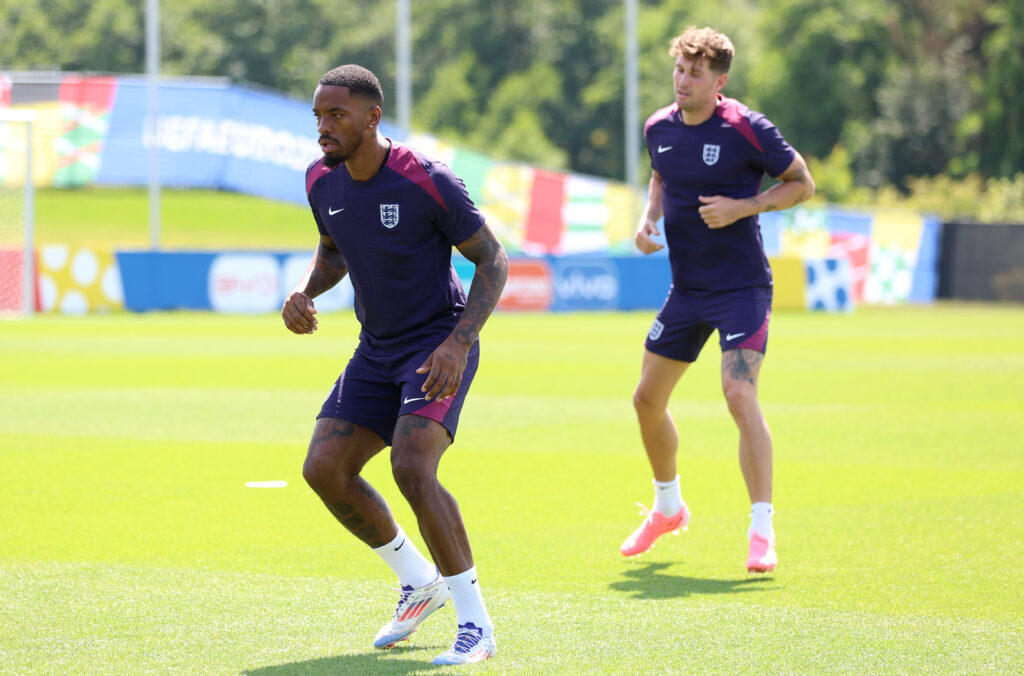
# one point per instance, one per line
(650, 582)
(376, 662)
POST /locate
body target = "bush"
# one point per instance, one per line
(971, 198)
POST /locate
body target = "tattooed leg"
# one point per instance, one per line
(740, 371)
(337, 454)
(416, 451)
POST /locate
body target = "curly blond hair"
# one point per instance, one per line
(706, 43)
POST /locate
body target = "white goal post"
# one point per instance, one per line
(17, 212)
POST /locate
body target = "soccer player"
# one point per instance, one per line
(388, 217)
(709, 154)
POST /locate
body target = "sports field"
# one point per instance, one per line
(131, 544)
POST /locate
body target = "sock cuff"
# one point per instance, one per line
(762, 508)
(465, 576)
(399, 536)
(666, 484)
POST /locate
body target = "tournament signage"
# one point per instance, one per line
(585, 284)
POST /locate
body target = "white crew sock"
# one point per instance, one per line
(761, 519)
(469, 603)
(409, 565)
(668, 497)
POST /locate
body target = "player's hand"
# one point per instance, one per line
(643, 237)
(719, 211)
(298, 313)
(445, 366)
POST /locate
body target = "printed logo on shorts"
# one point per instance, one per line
(711, 154)
(389, 215)
(656, 329)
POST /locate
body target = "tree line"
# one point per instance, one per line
(888, 100)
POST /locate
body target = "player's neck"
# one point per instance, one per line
(367, 161)
(694, 117)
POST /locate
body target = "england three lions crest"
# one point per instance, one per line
(711, 154)
(389, 215)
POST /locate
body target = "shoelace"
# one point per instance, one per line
(643, 508)
(403, 599)
(465, 641)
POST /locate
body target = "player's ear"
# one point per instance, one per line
(722, 79)
(374, 117)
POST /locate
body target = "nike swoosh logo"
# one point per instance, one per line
(400, 546)
(474, 581)
(662, 148)
(334, 211)
(416, 399)
(731, 336)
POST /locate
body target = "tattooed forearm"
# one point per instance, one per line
(486, 252)
(756, 202)
(327, 268)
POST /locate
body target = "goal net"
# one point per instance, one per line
(17, 259)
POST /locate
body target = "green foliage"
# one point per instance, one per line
(970, 198)
(892, 90)
(103, 35)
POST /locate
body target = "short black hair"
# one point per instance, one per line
(359, 80)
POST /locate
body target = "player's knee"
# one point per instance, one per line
(412, 476)
(313, 472)
(321, 471)
(741, 398)
(645, 406)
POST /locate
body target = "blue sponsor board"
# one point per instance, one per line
(255, 282)
(165, 281)
(585, 284)
(925, 286)
(259, 282)
(243, 282)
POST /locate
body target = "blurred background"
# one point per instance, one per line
(909, 113)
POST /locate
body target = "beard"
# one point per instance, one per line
(341, 154)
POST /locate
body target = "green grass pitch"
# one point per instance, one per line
(131, 544)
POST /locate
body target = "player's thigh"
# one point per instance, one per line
(658, 377)
(741, 369)
(341, 446)
(417, 447)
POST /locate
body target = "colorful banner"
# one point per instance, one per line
(76, 281)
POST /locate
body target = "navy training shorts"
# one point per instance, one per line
(687, 318)
(374, 390)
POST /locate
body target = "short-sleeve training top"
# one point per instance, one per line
(396, 232)
(728, 154)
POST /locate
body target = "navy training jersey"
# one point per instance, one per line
(728, 154)
(396, 232)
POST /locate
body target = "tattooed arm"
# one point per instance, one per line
(327, 268)
(447, 363)
(796, 186)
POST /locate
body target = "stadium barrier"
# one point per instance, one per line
(76, 281)
(982, 262)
